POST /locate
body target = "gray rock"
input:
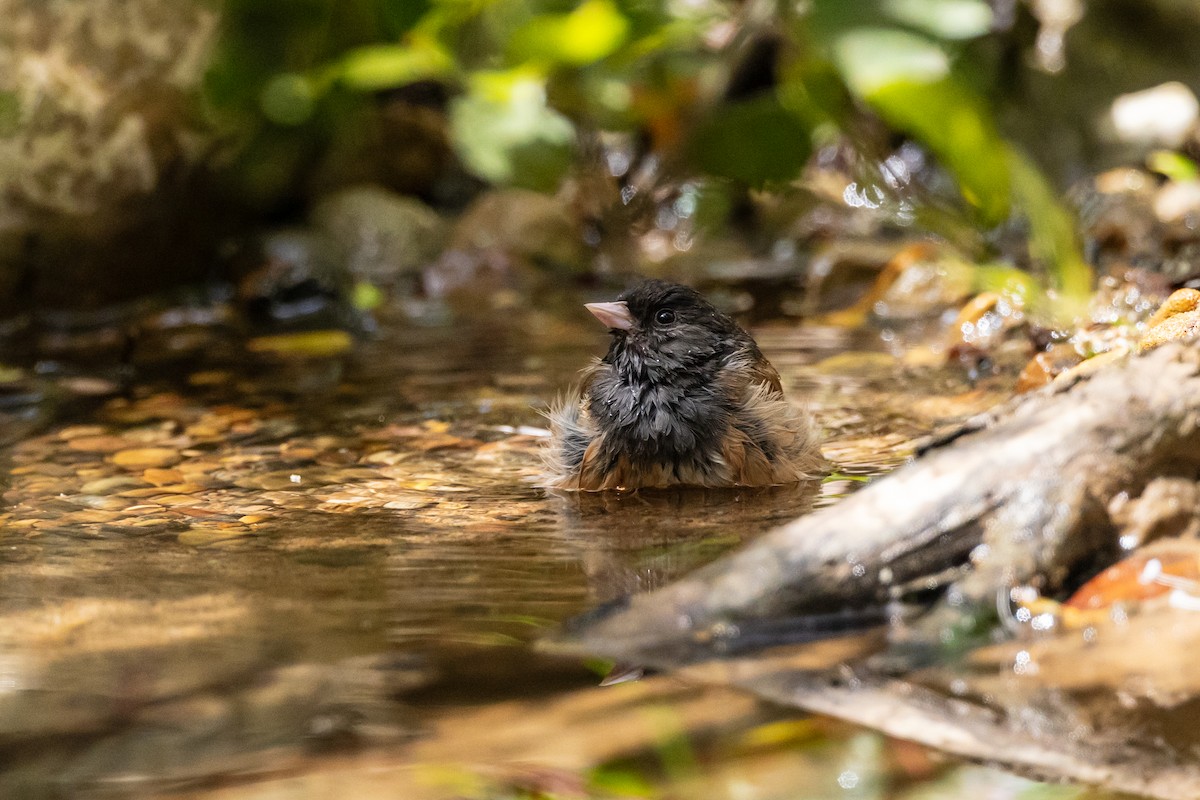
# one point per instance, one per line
(383, 236)
(98, 133)
(296, 278)
(522, 226)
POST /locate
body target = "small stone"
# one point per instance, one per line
(76, 431)
(210, 378)
(1122, 179)
(97, 444)
(1162, 115)
(146, 457)
(102, 503)
(382, 235)
(298, 452)
(1046, 366)
(150, 522)
(162, 477)
(180, 488)
(1177, 318)
(88, 387)
(174, 499)
(203, 537)
(1181, 326)
(192, 511)
(1178, 201)
(939, 408)
(206, 430)
(441, 441)
(1180, 301)
(86, 516)
(855, 362)
(104, 486)
(408, 504)
(388, 457)
(142, 491)
(51, 470)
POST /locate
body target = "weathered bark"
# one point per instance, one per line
(1019, 497)
(1056, 741)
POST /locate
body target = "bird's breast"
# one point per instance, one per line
(650, 421)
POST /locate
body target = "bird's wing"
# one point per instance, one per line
(764, 373)
(748, 369)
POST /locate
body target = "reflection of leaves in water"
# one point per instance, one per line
(672, 743)
(621, 781)
(840, 476)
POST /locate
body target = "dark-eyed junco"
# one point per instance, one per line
(683, 398)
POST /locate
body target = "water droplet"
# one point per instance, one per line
(1043, 622)
(1023, 664)
(1150, 572)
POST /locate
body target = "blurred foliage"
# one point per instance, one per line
(1172, 166)
(527, 77)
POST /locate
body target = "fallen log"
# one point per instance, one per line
(1020, 496)
(1061, 739)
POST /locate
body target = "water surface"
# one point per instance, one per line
(255, 559)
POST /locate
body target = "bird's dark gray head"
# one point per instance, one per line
(662, 331)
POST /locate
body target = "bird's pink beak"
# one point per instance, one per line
(614, 315)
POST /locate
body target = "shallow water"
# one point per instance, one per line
(261, 559)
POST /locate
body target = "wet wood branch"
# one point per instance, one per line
(1061, 744)
(1020, 496)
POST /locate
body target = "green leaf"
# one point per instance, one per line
(906, 78)
(595, 29)
(952, 123)
(833, 477)
(619, 781)
(872, 59)
(306, 343)
(755, 141)
(385, 66)
(287, 99)
(1052, 241)
(400, 17)
(1172, 165)
(10, 113)
(366, 296)
(1007, 280)
(947, 19)
(506, 133)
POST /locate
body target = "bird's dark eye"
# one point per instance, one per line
(665, 316)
